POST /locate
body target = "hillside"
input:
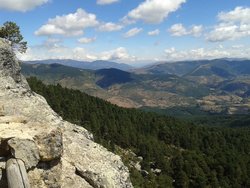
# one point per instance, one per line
(176, 68)
(121, 87)
(160, 151)
(95, 65)
(206, 89)
(181, 68)
(112, 76)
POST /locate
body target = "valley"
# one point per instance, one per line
(214, 87)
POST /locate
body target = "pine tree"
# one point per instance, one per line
(11, 32)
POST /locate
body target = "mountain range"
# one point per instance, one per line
(95, 65)
(211, 86)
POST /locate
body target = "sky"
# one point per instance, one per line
(131, 31)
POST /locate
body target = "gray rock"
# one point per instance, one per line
(10, 68)
(50, 145)
(3, 179)
(57, 153)
(1, 110)
(16, 174)
(26, 150)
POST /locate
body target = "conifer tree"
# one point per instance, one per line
(11, 32)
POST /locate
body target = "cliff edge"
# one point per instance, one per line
(55, 153)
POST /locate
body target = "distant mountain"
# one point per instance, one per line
(221, 67)
(112, 76)
(177, 68)
(218, 86)
(121, 87)
(95, 65)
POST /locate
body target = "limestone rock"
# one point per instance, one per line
(56, 153)
(10, 69)
(26, 150)
(16, 174)
(94, 162)
(1, 110)
(47, 174)
(50, 145)
(3, 178)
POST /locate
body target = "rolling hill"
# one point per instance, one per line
(223, 67)
(112, 76)
(95, 65)
(218, 86)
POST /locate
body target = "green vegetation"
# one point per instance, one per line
(139, 89)
(11, 32)
(112, 76)
(188, 155)
(194, 114)
(179, 111)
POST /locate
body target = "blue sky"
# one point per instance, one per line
(131, 31)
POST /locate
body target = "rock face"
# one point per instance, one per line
(55, 153)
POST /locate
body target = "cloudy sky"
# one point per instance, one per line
(131, 31)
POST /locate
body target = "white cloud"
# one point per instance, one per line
(86, 40)
(179, 30)
(239, 14)
(106, 2)
(120, 53)
(68, 25)
(58, 51)
(154, 32)
(196, 30)
(50, 29)
(238, 46)
(52, 43)
(154, 11)
(202, 53)
(109, 27)
(132, 32)
(170, 51)
(21, 5)
(233, 25)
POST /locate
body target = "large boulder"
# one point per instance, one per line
(50, 145)
(55, 153)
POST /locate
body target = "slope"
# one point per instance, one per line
(173, 153)
(232, 67)
(95, 65)
(121, 87)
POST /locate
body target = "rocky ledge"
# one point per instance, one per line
(48, 151)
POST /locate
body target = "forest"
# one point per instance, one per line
(187, 153)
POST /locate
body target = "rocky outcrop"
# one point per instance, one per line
(55, 153)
